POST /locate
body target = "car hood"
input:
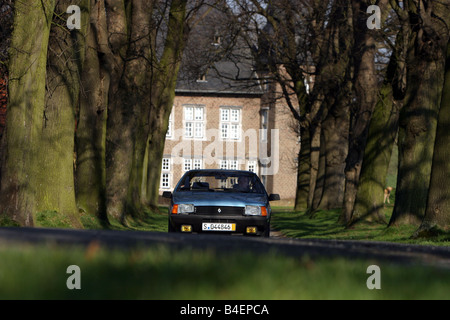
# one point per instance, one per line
(219, 199)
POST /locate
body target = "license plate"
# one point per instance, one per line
(219, 227)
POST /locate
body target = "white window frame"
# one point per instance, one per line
(197, 164)
(166, 174)
(192, 164)
(187, 164)
(229, 164)
(230, 123)
(166, 165)
(194, 121)
(170, 129)
(223, 164)
(233, 164)
(252, 165)
(166, 180)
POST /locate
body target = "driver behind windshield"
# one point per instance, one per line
(243, 184)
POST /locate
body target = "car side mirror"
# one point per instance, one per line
(274, 197)
(167, 194)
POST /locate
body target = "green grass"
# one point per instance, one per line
(325, 225)
(51, 219)
(162, 273)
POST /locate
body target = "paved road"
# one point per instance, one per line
(401, 253)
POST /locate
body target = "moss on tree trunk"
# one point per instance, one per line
(418, 118)
(437, 213)
(380, 141)
(26, 111)
(91, 126)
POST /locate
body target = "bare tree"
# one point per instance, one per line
(305, 40)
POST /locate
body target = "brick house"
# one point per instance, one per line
(225, 112)
(228, 118)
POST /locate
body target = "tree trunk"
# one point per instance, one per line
(143, 66)
(91, 127)
(129, 99)
(315, 132)
(365, 86)
(303, 171)
(56, 190)
(141, 94)
(320, 180)
(155, 150)
(164, 80)
(418, 119)
(120, 120)
(26, 111)
(319, 109)
(418, 122)
(377, 154)
(334, 84)
(382, 133)
(335, 130)
(437, 214)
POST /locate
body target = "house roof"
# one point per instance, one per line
(223, 78)
(217, 60)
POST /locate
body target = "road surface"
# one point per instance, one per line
(399, 253)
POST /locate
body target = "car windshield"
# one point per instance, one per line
(217, 181)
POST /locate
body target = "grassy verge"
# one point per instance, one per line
(51, 219)
(325, 225)
(161, 273)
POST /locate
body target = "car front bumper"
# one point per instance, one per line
(242, 224)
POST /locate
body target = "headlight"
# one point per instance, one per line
(185, 208)
(255, 211)
(252, 210)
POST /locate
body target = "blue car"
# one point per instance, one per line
(220, 201)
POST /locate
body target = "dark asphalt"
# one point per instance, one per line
(376, 251)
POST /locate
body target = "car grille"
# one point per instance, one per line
(220, 211)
